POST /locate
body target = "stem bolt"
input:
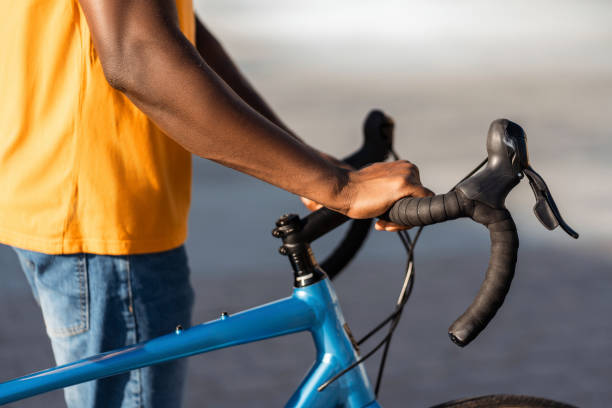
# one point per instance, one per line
(287, 219)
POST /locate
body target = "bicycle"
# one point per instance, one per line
(337, 377)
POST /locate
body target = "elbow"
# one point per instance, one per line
(132, 62)
(117, 72)
(116, 79)
(124, 62)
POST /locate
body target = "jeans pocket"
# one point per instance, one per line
(62, 286)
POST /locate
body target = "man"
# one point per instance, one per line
(104, 100)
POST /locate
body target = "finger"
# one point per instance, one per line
(395, 228)
(382, 225)
(420, 191)
(311, 205)
(392, 228)
(414, 171)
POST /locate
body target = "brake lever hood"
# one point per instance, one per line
(506, 158)
(507, 162)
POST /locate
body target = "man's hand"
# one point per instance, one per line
(375, 188)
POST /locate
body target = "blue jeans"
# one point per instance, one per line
(94, 303)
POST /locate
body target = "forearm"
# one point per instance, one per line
(217, 58)
(145, 55)
(173, 85)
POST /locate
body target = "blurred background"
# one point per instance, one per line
(443, 70)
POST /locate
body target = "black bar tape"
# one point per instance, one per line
(438, 214)
(490, 297)
(451, 206)
(412, 211)
(424, 211)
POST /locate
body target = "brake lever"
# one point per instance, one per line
(507, 162)
(545, 209)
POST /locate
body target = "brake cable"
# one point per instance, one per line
(394, 318)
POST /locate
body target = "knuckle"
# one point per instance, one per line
(402, 182)
(423, 192)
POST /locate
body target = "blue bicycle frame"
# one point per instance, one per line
(314, 308)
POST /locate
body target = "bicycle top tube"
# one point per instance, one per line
(314, 308)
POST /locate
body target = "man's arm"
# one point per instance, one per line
(217, 58)
(145, 55)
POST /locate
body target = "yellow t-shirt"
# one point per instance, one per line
(81, 168)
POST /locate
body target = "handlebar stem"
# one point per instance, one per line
(296, 246)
